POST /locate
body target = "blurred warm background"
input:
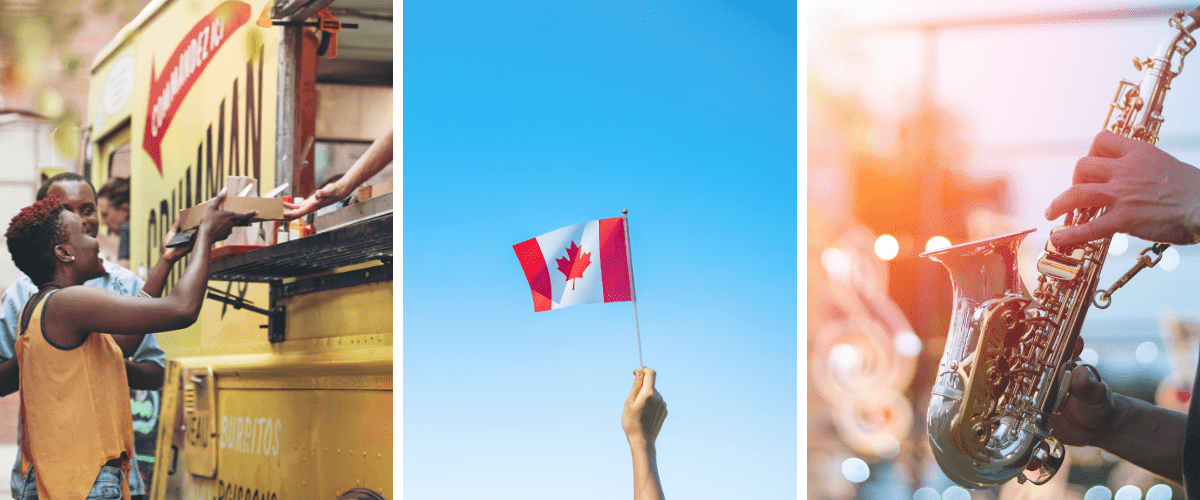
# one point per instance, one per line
(933, 123)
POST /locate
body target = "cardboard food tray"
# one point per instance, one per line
(268, 209)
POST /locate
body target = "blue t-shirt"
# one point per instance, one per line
(123, 249)
(117, 280)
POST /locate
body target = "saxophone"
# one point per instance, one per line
(1009, 354)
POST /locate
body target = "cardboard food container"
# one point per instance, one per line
(374, 191)
(268, 209)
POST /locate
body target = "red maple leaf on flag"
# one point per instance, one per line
(574, 263)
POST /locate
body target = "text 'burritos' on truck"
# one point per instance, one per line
(283, 387)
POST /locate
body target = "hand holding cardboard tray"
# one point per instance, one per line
(269, 209)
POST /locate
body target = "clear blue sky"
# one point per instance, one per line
(524, 117)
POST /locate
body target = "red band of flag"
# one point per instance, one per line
(534, 265)
(614, 260)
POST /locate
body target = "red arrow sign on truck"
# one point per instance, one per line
(184, 67)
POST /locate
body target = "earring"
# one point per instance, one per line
(72, 258)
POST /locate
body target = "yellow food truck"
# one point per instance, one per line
(283, 388)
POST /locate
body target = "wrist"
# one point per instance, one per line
(203, 237)
(168, 258)
(341, 189)
(638, 442)
(1107, 434)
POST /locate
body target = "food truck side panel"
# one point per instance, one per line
(200, 78)
(241, 417)
(311, 420)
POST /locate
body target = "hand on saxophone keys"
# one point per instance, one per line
(1147, 193)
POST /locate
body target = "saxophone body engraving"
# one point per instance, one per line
(1009, 350)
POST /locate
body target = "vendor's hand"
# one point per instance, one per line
(325, 196)
(173, 254)
(219, 223)
(644, 410)
(1149, 194)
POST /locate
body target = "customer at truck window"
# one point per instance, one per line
(377, 156)
(113, 203)
(76, 427)
(145, 369)
(642, 418)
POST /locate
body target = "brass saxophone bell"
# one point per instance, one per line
(974, 444)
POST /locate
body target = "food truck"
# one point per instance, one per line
(283, 387)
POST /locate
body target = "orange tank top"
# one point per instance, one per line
(75, 413)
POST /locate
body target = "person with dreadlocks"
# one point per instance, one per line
(76, 424)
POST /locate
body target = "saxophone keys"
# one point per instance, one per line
(1009, 319)
(1058, 264)
(1064, 391)
(1046, 459)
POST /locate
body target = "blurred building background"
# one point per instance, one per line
(933, 123)
(46, 51)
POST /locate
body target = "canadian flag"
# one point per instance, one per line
(580, 264)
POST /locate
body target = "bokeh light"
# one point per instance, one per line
(1128, 492)
(855, 470)
(1146, 353)
(886, 247)
(1159, 492)
(926, 493)
(1170, 259)
(908, 344)
(1120, 243)
(885, 446)
(1098, 492)
(936, 243)
(1089, 356)
(845, 357)
(835, 263)
(956, 493)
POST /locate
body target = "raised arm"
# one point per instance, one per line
(642, 418)
(147, 372)
(377, 156)
(153, 287)
(157, 280)
(79, 310)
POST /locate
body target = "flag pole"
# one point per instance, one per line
(632, 290)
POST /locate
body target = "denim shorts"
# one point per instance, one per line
(17, 481)
(106, 487)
